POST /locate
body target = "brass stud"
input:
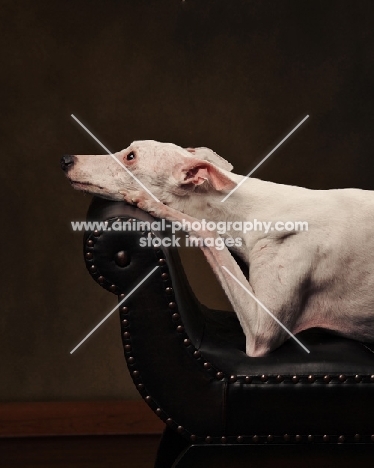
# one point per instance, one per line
(148, 399)
(286, 437)
(372, 378)
(136, 374)
(164, 276)
(169, 421)
(169, 290)
(255, 439)
(180, 329)
(186, 342)
(96, 233)
(124, 310)
(310, 438)
(233, 378)
(180, 429)
(341, 439)
(247, 379)
(140, 386)
(223, 439)
(127, 347)
(158, 411)
(270, 438)
(122, 296)
(122, 259)
(208, 439)
(89, 255)
(264, 378)
(342, 378)
(131, 360)
(326, 438)
(161, 261)
(125, 323)
(279, 378)
(175, 316)
(193, 438)
(298, 438)
(172, 305)
(358, 378)
(207, 365)
(372, 438)
(326, 378)
(100, 279)
(219, 375)
(93, 268)
(311, 378)
(357, 437)
(90, 243)
(126, 335)
(295, 379)
(240, 439)
(196, 354)
(112, 287)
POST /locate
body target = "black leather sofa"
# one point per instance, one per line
(189, 365)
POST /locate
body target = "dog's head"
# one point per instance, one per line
(164, 168)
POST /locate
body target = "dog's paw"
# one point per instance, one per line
(143, 201)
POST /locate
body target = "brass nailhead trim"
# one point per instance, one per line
(223, 440)
(172, 305)
(180, 429)
(196, 354)
(357, 437)
(90, 243)
(342, 378)
(298, 438)
(158, 411)
(233, 378)
(180, 329)
(248, 379)
(311, 378)
(240, 439)
(193, 438)
(208, 439)
(310, 438)
(341, 439)
(164, 276)
(124, 310)
(141, 386)
(279, 378)
(270, 438)
(358, 378)
(325, 438)
(175, 316)
(219, 375)
(126, 335)
(286, 437)
(101, 279)
(295, 379)
(255, 439)
(264, 378)
(327, 379)
(186, 342)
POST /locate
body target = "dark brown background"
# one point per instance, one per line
(235, 76)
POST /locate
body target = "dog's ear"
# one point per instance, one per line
(196, 172)
(209, 155)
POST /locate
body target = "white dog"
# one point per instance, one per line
(322, 277)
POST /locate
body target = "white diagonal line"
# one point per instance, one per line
(116, 307)
(266, 310)
(265, 158)
(112, 155)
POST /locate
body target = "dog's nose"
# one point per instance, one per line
(67, 161)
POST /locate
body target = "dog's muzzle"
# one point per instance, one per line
(67, 162)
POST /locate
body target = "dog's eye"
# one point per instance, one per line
(130, 156)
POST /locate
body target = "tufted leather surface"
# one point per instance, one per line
(188, 361)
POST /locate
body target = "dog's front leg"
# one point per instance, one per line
(262, 333)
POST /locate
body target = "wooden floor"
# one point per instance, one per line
(79, 452)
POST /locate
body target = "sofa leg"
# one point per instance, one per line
(171, 446)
